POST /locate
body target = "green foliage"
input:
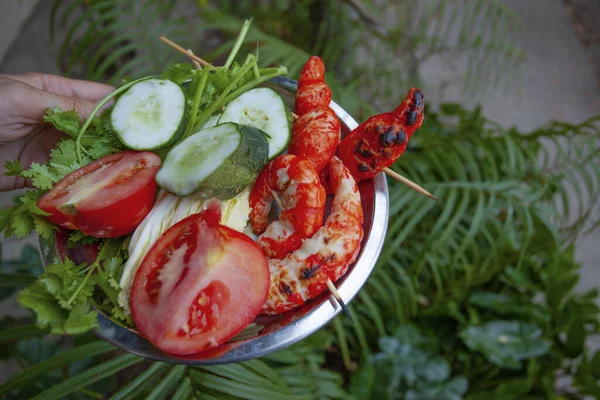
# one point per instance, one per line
(494, 253)
(61, 295)
(118, 38)
(370, 58)
(406, 369)
(506, 343)
(18, 273)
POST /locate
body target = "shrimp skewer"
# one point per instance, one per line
(317, 130)
(303, 274)
(379, 141)
(302, 198)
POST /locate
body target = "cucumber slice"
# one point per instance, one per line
(215, 162)
(149, 115)
(265, 109)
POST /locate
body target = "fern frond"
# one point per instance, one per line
(115, 39)
(497, 189)
(388, 59)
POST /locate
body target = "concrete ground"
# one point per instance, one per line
(557, 83)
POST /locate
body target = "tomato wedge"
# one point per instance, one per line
(200, 284)
(108, 197)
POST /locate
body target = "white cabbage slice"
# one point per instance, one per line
(166, 212)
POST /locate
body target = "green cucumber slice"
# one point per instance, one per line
(149, 115)
(215, 162)
(265, 109)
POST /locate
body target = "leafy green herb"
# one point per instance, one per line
(64, 121)
(79, 238)
(62, 295)
(178, 73)
(25, 216)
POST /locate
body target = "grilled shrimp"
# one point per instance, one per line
(303, 274)
(317, 130)
(302, 197)
(379, 141)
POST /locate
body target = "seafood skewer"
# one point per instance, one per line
(302, 201)
(379, 141)
(326, 256)
(317, 130)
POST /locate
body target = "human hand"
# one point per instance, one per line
(24, 98)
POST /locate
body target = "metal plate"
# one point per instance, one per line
(269, 334)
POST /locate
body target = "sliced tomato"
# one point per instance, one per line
(199, 285)
(108, 197)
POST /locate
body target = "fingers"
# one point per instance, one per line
(65, 86)
(83, 106)
(33, 147)
(29, 104)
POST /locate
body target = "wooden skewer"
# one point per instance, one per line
(393, 174)
(196, 64)
(184, 51)
(388, 171)
(338, 298)
(398, 177)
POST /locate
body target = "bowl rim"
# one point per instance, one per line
(348, 287)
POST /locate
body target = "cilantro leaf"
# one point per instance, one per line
(114, 253)
(79, 238)
(49, 313)
(80, 320)
(178, 73)
(41, 176)
(6, 221)
(44, 227)
(66, 282)
(60, 298)
(13, 168)
(64, 121)
(64, 154)
(22, 223)
(20, 219)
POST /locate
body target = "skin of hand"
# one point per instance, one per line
(24, 99)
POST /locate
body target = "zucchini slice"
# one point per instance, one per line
(215, 162)
(150, 115)
(265, 109)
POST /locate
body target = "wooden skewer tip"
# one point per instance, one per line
(393, 174)
(184, 51)
(338, 298)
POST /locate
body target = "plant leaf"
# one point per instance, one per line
(506, 343)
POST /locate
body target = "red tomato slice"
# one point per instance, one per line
(108, 197)
(199, 285)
